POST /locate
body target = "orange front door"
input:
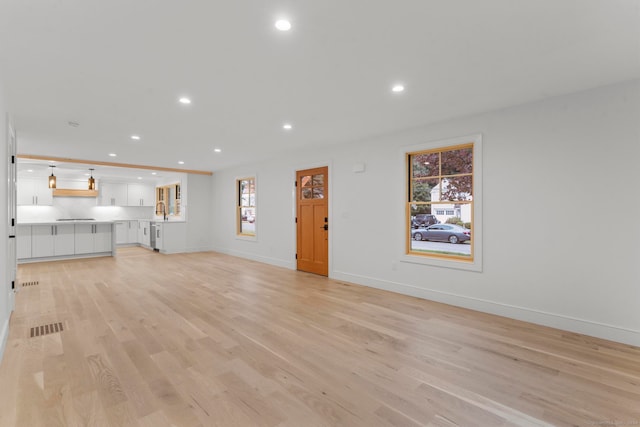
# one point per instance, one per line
(312, 216)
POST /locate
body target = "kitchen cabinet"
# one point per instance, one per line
(34, 192)
(144, 233)
(93, 238)
(23, 237)
(122, 232)
(132, 232)
(52, 240)
(126, 232)
(112, 194)
(140, 195)
(170, 237)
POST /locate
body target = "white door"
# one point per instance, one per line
(12, 266)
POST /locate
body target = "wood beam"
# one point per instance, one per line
(113, 164)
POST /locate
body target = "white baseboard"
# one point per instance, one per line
(267, 260)
(4, 335)
(567, 323)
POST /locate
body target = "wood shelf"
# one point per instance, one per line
(68, 192)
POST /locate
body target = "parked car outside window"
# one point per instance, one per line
(442, 233)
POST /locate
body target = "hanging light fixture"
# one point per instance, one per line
(52, 178)
(92, 181)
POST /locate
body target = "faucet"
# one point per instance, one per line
(164, 210)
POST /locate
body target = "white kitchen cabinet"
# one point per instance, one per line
(144, 233)
(132, 231)
(103, 238)
(52, 240)
(141, 195)
(171, 237)
(122, 232)
(113, 194)
(34, 192)
(93, 238)
(24, 241)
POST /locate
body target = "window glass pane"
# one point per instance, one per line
(318, 180)
(247, 221)
(451, 239)
(306, 181)
(457, 188)
(457, 161)
(427, 164)
(306, 193)
(425, 190)
(318, 193)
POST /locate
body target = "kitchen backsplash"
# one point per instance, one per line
(81, 207)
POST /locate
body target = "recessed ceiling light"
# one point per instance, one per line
(135, 137)
(139, 177)
(154, 173)
(283, 25)
(112, 154)
(181, 162)
(287, 126)
(29, 170)
(397, 88)
(217, 150)
(184, 100)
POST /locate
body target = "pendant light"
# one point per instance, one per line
(52, 178)
(92, 181)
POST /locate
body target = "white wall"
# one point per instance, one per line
(563, 267)
(198, 207)
(5, 287)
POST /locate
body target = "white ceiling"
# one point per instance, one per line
(118, 67)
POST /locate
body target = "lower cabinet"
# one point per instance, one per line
(144, 233)
(52, 240)
(132, 232)
(122, 232)
(23, 237)
(92, 238)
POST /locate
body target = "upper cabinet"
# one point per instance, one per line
(34, 192)
(140, 195)
(112, 194)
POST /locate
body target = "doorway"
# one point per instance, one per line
(312, 220)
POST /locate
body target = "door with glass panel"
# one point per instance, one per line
(312, 217)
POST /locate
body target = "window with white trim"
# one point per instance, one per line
(246, 206)
(440, 181)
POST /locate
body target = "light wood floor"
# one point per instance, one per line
(211, 340)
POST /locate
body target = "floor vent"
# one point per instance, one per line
(30, 283)
(41, 330)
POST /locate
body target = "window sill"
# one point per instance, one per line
(474, 265)
(247, 237)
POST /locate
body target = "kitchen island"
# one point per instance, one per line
(64, 239)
